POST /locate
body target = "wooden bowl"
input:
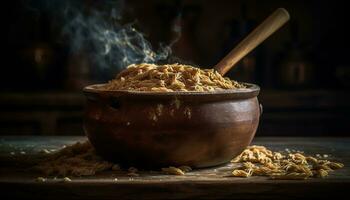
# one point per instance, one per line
(152, 129)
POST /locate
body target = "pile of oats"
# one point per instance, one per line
(260, 161)
(169, 78)
(79, 159)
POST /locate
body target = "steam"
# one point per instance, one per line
(108, 43)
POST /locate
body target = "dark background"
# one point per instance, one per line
(303, 69)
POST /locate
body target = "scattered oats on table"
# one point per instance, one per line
(260, 161)
(41, 179)
(45, 151)
(173, 171)
(67, 179)
(242, 173)
(80, 159)
(185, 168)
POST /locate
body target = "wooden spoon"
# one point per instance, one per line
(257, 36)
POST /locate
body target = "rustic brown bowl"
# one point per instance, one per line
(150, 129)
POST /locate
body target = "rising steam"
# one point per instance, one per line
(108, 43)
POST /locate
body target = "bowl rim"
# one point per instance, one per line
(251, 90)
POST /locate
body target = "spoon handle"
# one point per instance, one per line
(257, 36)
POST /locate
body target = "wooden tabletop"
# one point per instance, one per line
(211, 183)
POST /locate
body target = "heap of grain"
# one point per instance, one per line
(79, 159)
(169, 78)
(260, 161)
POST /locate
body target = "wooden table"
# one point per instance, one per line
(212, 183)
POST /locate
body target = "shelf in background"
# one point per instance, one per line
(299, 112)
(270, 98)
(304, 99)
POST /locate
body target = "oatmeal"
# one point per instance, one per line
(169, 78)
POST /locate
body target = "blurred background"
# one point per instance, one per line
(52, 49)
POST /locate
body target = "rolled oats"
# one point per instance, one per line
(242, 173)
(173, 171)
(81, 159)
(263, 162)
(40, 179)
(169, 78)
(185, 168)
(67, 179)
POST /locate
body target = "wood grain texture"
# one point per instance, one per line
(210, 183)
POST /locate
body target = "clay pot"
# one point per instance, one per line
(150, 129)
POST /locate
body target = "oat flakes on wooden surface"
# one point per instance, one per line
(81, 159)
(173, 171)
(261, 161)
